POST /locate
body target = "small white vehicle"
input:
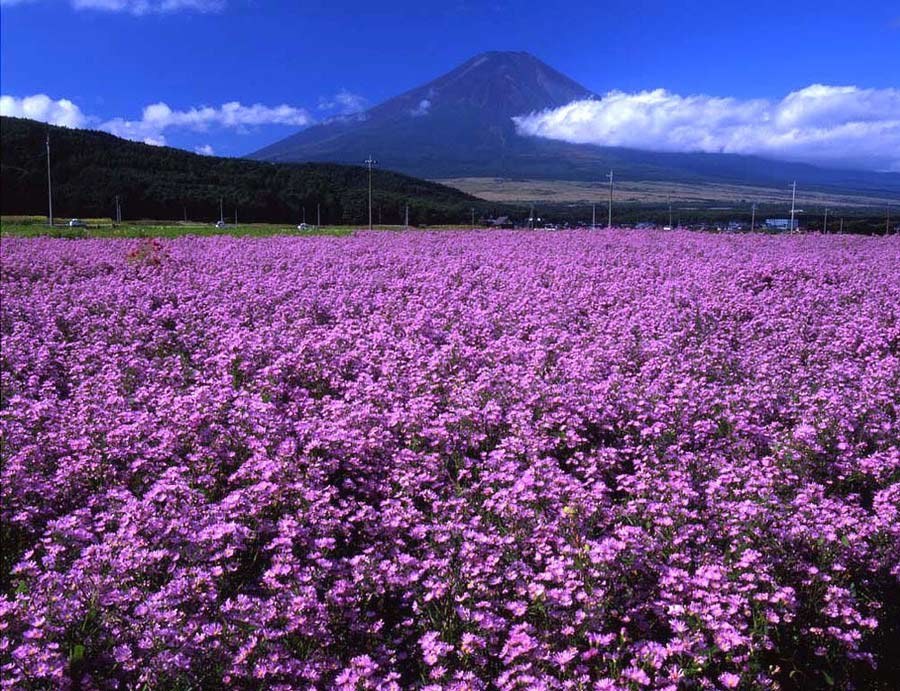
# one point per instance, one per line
(77, 223)
(303, 226)
(220, 224)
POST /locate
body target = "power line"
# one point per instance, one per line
(370, 161)
(793, 199)
(609, 218)
(49, 186)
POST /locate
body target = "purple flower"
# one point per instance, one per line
(471, 460)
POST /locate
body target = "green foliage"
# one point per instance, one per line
(90, 168)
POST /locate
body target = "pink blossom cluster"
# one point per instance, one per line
(461, 460)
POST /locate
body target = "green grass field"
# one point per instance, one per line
(36, 226)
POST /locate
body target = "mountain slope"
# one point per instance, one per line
(90, 168)
(460, 125)
(454, 123)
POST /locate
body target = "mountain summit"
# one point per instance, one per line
(460, 125)
(494, 86)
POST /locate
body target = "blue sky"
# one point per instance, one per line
(292, 63)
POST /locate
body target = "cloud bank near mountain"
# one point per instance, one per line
(839, 126)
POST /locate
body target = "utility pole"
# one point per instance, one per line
(753, 217)
(407, 216)
(841, 230)
(609, 217)
(793, 199)
(825, 222)
(221, 211)
(370, 161)
(118, 211)
(49, 186)
(235, 217)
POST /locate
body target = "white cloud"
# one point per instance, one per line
(206, 150)
(421, 109)
(158, 117)
(346, 107)
(344, 102)
(41, 107)
(144, 7)
(138, 8)
(831, 125)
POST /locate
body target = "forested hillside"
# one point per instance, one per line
(90, 168)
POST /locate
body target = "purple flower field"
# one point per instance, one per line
(471, 460)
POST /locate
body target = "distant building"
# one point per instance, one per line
(735, 226)
(781, 224)
(645, 225)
